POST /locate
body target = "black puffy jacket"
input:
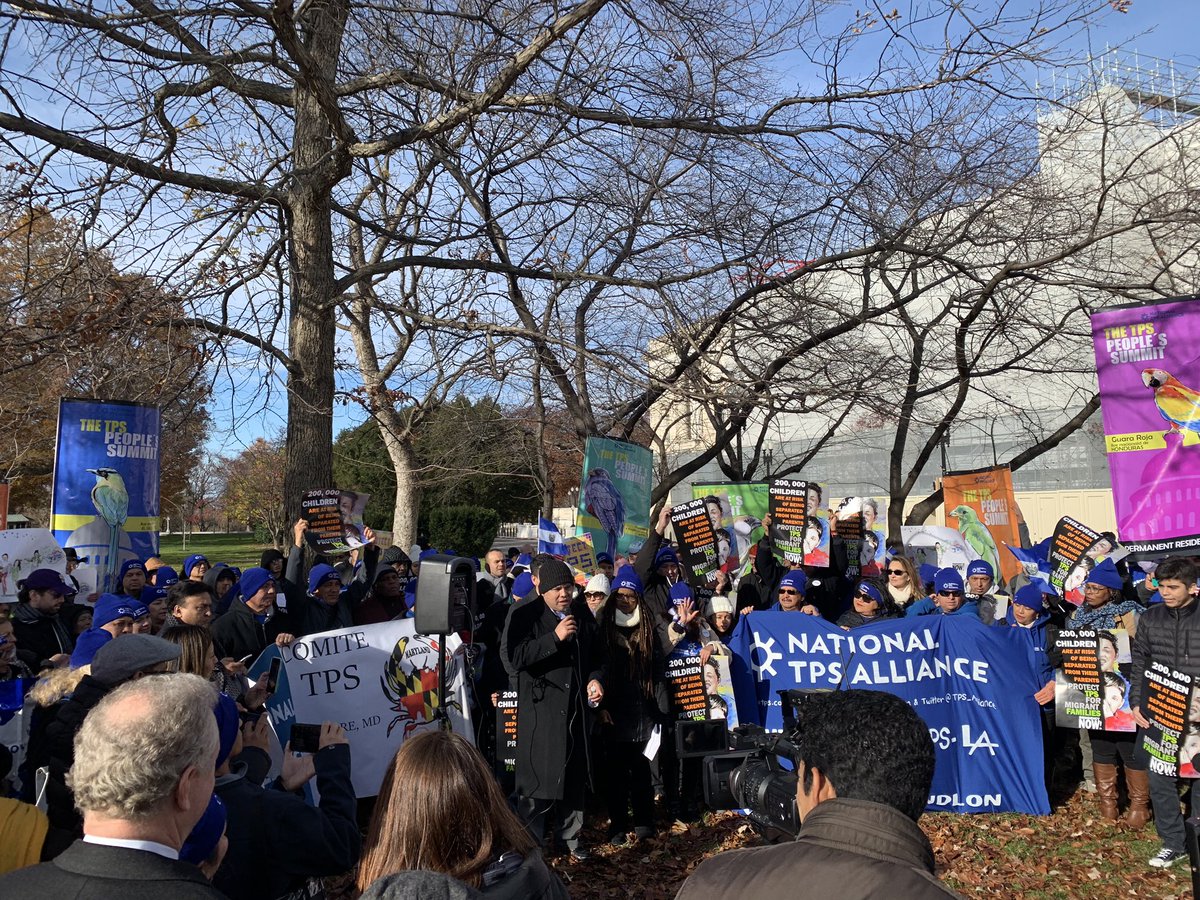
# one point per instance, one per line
(1167, 636)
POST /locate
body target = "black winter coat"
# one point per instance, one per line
(97, 872)
(1167, 636)
(44, 636)
(277, 841)
(826, 587)
(240, 634)
(308, 615)
(657, 593)
(633, 714)
(553, 717)
(60, 749)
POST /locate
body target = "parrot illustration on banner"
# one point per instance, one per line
(1178, 404)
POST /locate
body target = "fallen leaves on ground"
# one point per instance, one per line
(1070, 854)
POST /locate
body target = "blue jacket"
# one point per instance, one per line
(926, 607)
(1044, 635)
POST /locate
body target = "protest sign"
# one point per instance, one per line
(1091, 689)
(981, 504)
(506, 731)
(736, 511)
(937, 545)
(789, 517)
(685, 684)
(379, 682)
(21, 551)
(700, 690)
(851, 531)
(104, 502)
(335, 519)
(973, 686)
(1148, 367)
(697, 542)
(614, 499)
(1168, 705)
(581, 555)
(1074, 551)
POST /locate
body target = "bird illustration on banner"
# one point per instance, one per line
(977, 535)
(602, 499)
(1177, 403)
(111, 500)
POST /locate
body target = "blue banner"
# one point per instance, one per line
(106, 467)
(973, 685)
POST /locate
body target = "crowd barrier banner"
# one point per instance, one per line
(1148, 367)
(973, 685)
(379, 682)
(106, 467)
(981, 505)
(614, 499)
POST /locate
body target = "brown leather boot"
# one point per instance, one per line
(1106, 790)
(1138, 785)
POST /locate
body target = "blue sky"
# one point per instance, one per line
(1163, 29)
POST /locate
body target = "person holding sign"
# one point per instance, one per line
(1027, 611)
(822, 585)
(1169, 633)
(1104, 609)
(635, 702)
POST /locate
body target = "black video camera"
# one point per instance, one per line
(742, 768)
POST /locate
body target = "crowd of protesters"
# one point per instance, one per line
(147, 764)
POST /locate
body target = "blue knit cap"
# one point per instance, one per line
(321, 574)
(110, 607)
(664, 556)
(522, 586)
(625, 577)
(191, 561)
(228, 723)
(795, 578)
(1031, 596)
(128, 566)
(86, 646)
(980, 567)
(1106, 575)
(165, 576)
(947, 579)
(206, 834)
(254, 580)
(681, 591)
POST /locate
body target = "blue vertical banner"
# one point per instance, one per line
(973, 685)
(106, 470)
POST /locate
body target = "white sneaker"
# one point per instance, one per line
(1165, 858)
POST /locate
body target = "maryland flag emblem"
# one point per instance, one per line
(410, 682)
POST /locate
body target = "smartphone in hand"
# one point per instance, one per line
(305, 738)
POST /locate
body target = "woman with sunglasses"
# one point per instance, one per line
(870, 604)
(1104, 608)
(903, 582)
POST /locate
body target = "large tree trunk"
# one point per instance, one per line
(408, 491)
(317, 166)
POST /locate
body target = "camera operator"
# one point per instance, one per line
(864, 763)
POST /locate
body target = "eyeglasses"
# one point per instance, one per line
(595, 594)
(867, 598)
(950, 593)
(1095, 589)
(788, 591)
(897, 572)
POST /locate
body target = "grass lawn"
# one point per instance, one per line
(238, 549)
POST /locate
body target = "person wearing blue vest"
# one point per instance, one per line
(949, 597)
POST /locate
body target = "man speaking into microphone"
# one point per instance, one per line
(550, 642)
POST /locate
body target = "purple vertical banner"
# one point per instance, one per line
(1148, 365)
